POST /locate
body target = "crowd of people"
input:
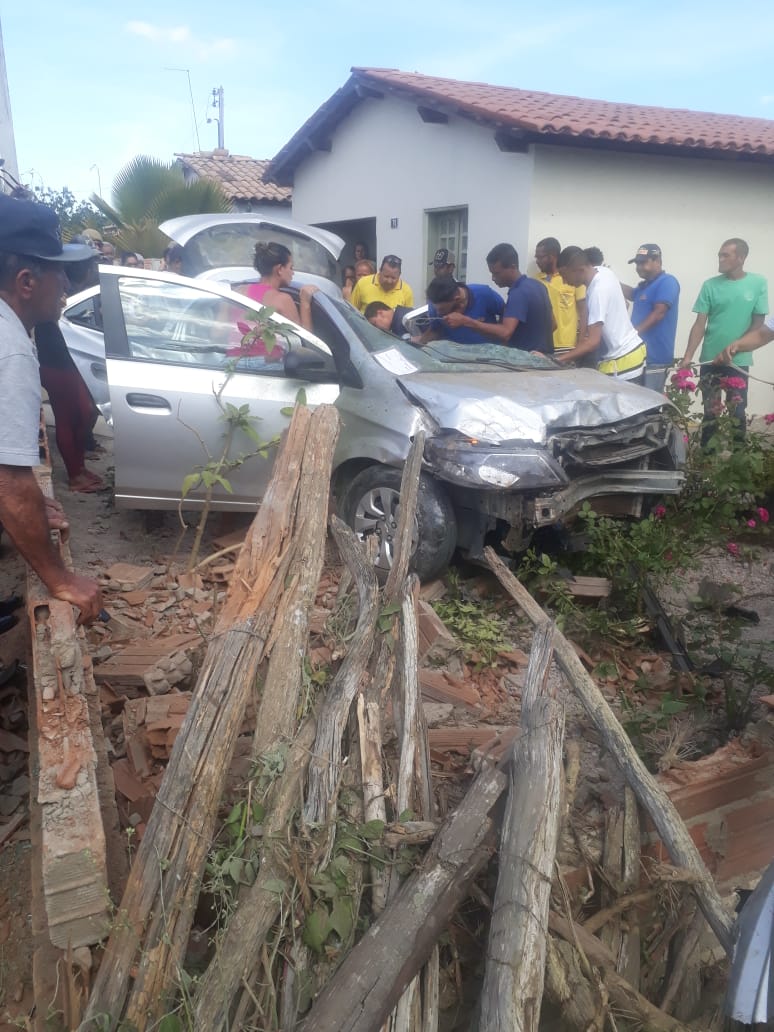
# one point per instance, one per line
(576, 310)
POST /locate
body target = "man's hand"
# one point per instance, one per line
(57, 520)
(82, 592)
(684, 363)
(454, 320)
(726, 356)
(564, 357)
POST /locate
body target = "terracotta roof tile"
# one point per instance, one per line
(554, 114)
(240, 176)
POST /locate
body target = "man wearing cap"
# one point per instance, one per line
(32, 282)
(568, 303)
(443, 262)
(728, 307)
(611, 339)
(654, 312)
(386, 285)
(475, 301)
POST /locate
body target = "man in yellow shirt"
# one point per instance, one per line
(568, 303)
(386, 285)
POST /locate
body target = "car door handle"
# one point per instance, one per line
(148, 401)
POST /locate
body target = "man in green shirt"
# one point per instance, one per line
(728, 306)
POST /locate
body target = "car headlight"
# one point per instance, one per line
(510, 466)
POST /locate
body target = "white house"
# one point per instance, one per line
(410, 163)
(7, 144)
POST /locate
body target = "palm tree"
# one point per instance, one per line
(145, 193)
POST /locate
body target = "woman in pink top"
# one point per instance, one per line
(275, 264)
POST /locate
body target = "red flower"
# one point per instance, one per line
(733, 548)
(763, 514)
(659, 512)
(735, 383)
(769, 418)
(751, 523)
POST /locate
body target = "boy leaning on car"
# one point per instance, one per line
(32, 281)
(615, 345)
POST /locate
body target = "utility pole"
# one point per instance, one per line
(217, 102)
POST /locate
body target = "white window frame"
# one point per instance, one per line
(448, 227)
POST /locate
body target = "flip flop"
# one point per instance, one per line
(10, 604)
(89, 488)
(7, 622)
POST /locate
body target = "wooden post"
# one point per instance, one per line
(515, 963)
(156, 912)
(373, 975)
(651, 796)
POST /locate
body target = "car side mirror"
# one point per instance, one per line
(301, 364)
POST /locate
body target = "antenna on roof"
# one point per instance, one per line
(193, 109)
(217, 102)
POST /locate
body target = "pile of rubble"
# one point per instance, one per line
(279, 722)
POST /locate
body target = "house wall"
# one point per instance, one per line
(387, 163)
(687, 206)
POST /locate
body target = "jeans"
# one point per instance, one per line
(712, 390)
(655, 377)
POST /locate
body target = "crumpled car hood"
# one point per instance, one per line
(527, 405)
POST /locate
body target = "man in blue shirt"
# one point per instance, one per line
(527, 321)
(654, 312)
(474, 301)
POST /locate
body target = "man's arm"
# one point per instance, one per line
(501, 332)
(695, 338)
(751, 341)
(589, 343)
(582, 308)
(24, 516)
(657, 313)
(627, 291)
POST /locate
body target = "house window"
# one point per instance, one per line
(448, 227)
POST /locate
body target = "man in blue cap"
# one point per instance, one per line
(654, 313)
(32, 282)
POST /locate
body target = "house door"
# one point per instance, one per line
(448, 227)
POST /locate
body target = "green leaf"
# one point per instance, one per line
(301, 396)
(371, 830)
(170, 1023)
(275, 885)
(189, 483)
(407, 815)
(342, 919)
(235, 814)
(316, 928)
(234, 868)
(287, 411)
(224, 484)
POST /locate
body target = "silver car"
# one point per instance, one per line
(513, 442)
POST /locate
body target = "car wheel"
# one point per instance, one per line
(370, 504)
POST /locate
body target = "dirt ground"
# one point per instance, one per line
(101, 535)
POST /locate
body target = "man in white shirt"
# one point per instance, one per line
(32, 281)
(610, 338)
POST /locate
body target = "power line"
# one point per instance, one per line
(193, 108)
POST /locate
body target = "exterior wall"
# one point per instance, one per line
(7, 144)
(387, 163)
(689, 207)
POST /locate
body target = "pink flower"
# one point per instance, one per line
(735, 383)
(733, 548)
(685, 438)
(769, 418)
(659, 512)
(751, 523)
(763, 514)
(683, 380)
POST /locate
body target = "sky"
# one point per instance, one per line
(91, 86)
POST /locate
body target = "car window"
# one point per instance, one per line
(234, 243)
(87, 312)
(186, 325)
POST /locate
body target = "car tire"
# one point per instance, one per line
(370, 504)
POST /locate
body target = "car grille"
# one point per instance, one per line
(613, 445)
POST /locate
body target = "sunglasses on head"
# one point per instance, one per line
(392, 259)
